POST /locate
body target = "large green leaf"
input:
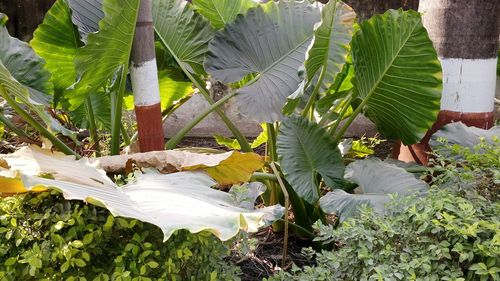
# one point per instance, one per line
(306, 150)
(376, 180)
(460, 134)
(221, 12)
(101, 106)
(346, 205)
(330, 44)
(21, 94)
(86, 15)
(174, 201)
(107, 52)
(183, 32)
(398, 74)
(56, 41)
(271, 41)
(25, 66)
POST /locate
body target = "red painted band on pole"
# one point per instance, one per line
(150, 118)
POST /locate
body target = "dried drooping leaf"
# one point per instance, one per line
(183, 200)
(226, 168)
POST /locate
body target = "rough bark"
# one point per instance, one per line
(466, 29)
(365, 9)
(24, 16)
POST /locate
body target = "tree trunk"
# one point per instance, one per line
(144, 76)
(365, 9)
(24, 16)
(465, 35)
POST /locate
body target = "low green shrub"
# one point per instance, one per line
(442, 236)
(44, 237)
(466, 169)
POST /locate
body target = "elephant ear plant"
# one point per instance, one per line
(317, 74)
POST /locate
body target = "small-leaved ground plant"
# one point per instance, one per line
(44, 237)
(442, 236)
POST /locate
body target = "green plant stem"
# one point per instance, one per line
(260, 176)
(312, 98)
(329, 114)
(271, 134)
(344, 128)
(172, 143)
(35, 124)
(117, 114)
(126, 137)
(13, 127)
(341, 116)
(287, 206)
(245, 146)
(308, 233)
(92, 126)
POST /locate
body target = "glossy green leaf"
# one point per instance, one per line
(183, 32)
(270, 41)
(346, 205)
(101, 106)
(56, 41)
(305, 151)
(107, 52)
(26, 67)
(222, 12)
(172, 88)
(234, 144)
(330, 44)
(398, 74)
(10, 86)
(376, 179)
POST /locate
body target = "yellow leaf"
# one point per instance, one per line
(237, 168)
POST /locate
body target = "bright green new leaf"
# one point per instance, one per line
(376, 179)
(270, 41)
(172, 89)
(227, 142)
(56, 41)
(234, 144)
(398, 74)
(107, 52)
(305, 151)
(183, 200)
(222, 12)
(183, 32)
(330, 44)
(25, 66)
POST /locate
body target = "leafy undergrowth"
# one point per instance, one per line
(44, 237)
(443, 236)
(452, 233)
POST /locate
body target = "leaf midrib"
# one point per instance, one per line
(282, 58)
(388, 66)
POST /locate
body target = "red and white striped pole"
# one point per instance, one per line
(465, 34)
(144, 76)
